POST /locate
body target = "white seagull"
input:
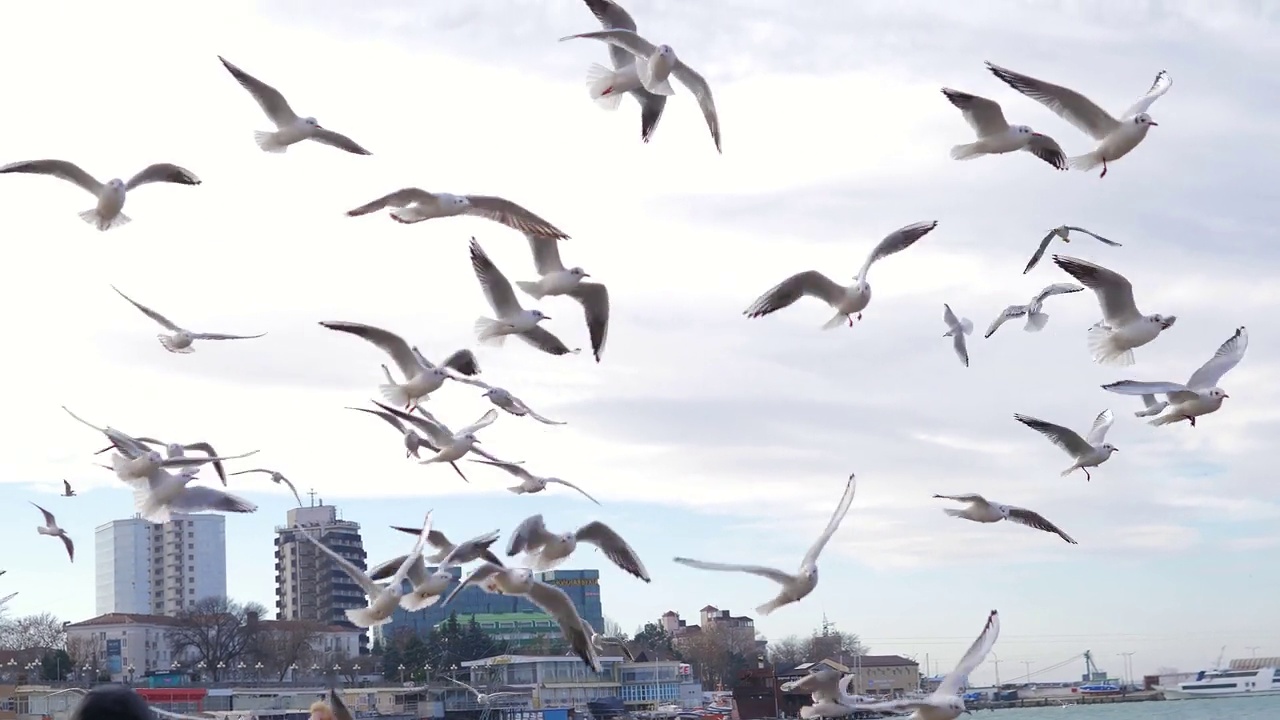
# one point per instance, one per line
(1036, 320)
(613, 17)
(512, 318)
(828, 688)
(1062, 232)
(552, 600)
(290, 128)
(426, 588)
(946, 702)
(957, 328)
(1115, 136)
(503, 399)
(794, 587)
(1199, 396)
(180, 339)
(111, 196)
(177, 450)
(530, 483)
(996, 136)
(413, 205)
(546, 550)
(984, 511)
(556, 280)
(440, 439)
(51, 528)
(653, 67)
(383, 597)
(1123, 327)
(1087, 452)
(164, 493)
(599, 642)
(413, 442)
(7, 598)
(276, 477)
(483, 698)
(447, 554)
(422, 377)
(846, 301)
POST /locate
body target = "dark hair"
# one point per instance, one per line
(113, 702)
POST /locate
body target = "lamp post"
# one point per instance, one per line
(401, 669)
(257, 673)
(995, 660)
(293, 672)
(217, 674)
(1028, 664)
(130, 670)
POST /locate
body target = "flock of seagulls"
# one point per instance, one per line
(161, 472)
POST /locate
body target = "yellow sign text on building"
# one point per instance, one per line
(573, 582)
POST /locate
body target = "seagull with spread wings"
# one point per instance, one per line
(51, 529)
(1116, 137)
(413, 442)
(512, 318)
(111, 196)
(996, 136)
(503, 399)
(957, 329)
(1087, 452)
(1063, 233)
(545, 550)
(984, 511)
(599, 642)
(422, 377)
(829, 691)
(413, 205)
(1123, 327)
(613, 17)
(556, 280)
(482, 698)
(447, 554)
(180, 339)
(275, 477)
(177, 450)
(290, 128)
(530, 483)
(848, 302)
(452, 446)
(1036, 320)
(1199, 396)
(66, 489)
(163, 493)
(795, 587)
(6, 598)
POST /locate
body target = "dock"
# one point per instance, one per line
(1139, 696)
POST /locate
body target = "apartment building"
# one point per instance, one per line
(309, 585)
(146, 568)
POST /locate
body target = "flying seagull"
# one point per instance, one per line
(447, 554)
(1087, 452)
(482, 698)
(178, 450)
(1062, 232)
(277, 478)
(512, 318)
(290, 128)
(51, 528)
(452, 445)
(163, 493)
(181, 339)
(996, 136)
(530, 483)
(413, 205)
(1036, 320)
(613, 17)
(339, 708)
(651, 70)
(66, 489)
(503, 399)
(546, 550)
(7, 598)
(599, 642)
(1199, 396)
(957, 328)
(794, 587)
(421, 376)
(413, 442)
(848, 302)
(556, 280)
(1123, 326)
(984, 511)
(1115, 136)
(106, 214)
(828, 689)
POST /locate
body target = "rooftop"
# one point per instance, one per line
(522, 659)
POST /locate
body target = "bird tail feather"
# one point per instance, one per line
(835, 321)
(267, 141)
(365, 617)
(395, 394)
(966, 326)
(1106, 350)
(94, 218)
(517, 489)
(1036, 321)
(1085, 162)
(1169, 419)
(1068, 471)
(532, 289)
(966, 152)
(490, 332)
(600, 86)
(953, 512)
(418, 600)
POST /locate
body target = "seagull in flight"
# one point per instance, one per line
(613, 17)
(452, 445)
(503, 399)
(794, 587)
(848, 302)
(1199, 396)
(290, 129)
(556, 280)
(530, 483)
(1123, 326)
(413, 442)
(482, 698)
(422, 377)
(447, 554)
(599, 642)
(546, 550)
(512, 318)
(984, 511)
(66, 489)
(1062, 232)
(957, 328)
(178, 450)
(1036, 320)
(111, 196)
(51, 528)
(996, 136)
(412, 205)
(163, 493)
(1116, 137)
(180, 339)
(1087, 452)
(277, 478)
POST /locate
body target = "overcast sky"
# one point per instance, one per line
(703, 433)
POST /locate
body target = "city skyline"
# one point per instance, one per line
(835, 133)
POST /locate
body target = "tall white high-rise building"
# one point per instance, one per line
(150, 568)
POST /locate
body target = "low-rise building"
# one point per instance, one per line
(543, 681)
(645, 685)
(515, 630)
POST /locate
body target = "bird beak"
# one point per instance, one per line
(1225, 396)
(586, 274)
(1168, 322)
(1036, 134)
(546, 317)
(1153, 123)
(1115, 449)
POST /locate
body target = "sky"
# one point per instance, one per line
(704, 434)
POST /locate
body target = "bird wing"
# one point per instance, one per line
(530, 535)
(1101, 425)
(546, 254)
(1229, 354)
(970, 498)
(207, 449)
(395, 422)
(66, 487)
(1023, 516)
(400, 198)
(340, 709)
(594, 298)
(575, 487)
(436, 432)
(1067, 104)
(896, 242)
(60, 169)
(613, 17)
(1176, 392)
(292, 489)
(387, 341)
(1065, 438)
(1048, 150)
(165, 322)
(846, 499)
(1039, 253)
(1056, 289)
(476, 547)
(614, 547)
(628, 40)
(983, 115)
(385, 570)
(463, 361)
(973, 657)
(485, 421)
(1161, 86)
(497, 289)
(1009, 313)
(480, 574)
(328, 137)
(949, 317)
(545, 341)
(1095, 236)
(702, 91)
(71, 547)
(370, 588)
(556, 603)
(509, 467)
(459, 682)
(162, 172)
(196, 498)
(785, 293)
(49, 520)
(960, 345)
(512, 215)
(268, 98)
(223, 336)
(414, 558)
(1115, 293)
(767, 572)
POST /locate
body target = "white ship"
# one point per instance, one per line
(1228, 683)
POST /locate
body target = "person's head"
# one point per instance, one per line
(113, 702)
(321, 711)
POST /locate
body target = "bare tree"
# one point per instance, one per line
(788, 652)
(215, 629)
(280, 644)
(614, 629)
(83, 649)
(719, 653)
(44, 631)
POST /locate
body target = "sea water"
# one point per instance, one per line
(1257, 708)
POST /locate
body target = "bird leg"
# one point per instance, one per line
(851, 317)
(1087, 476)
(1192, 421)
(1104, 168)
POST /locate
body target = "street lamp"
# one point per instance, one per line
(401, 669)
(130, 670)
(257, 671)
